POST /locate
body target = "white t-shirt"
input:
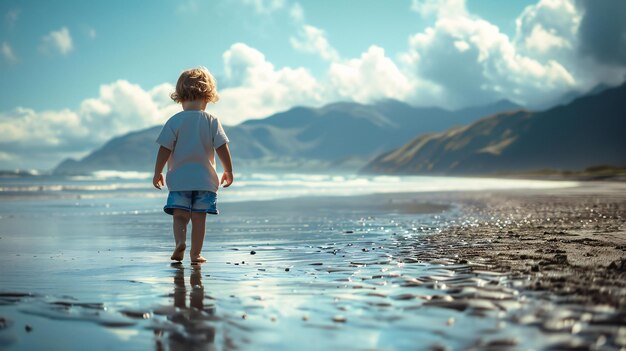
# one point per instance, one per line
(192, 136)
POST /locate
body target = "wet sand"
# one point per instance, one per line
(459, 270)
(565, 250)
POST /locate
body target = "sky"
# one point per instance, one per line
(76, 73)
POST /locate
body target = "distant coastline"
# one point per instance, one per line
(595, 173)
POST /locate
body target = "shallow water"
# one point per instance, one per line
(324, 274)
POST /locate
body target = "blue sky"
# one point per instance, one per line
(149, 45)
(75, 73)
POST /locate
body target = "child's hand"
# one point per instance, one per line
(227, 179)
(158, 181)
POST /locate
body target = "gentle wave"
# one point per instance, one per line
(110, 174)
(260, 186)
(291, 186)
(70, 187)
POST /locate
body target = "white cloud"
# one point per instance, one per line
(258, 89)
(48, 135)
(547, 25)
(122, 107)
(59, 41)
(371, 77)
(296, 13)
(542, 41)
(460, 60)
(553, 32)
(472, 62)
(7, 53)
(310, 39)
(40, 129)
(313, 40)
(160, 95)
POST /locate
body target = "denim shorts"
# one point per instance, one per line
(194, 201)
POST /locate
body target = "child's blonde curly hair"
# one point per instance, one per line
(195, 84)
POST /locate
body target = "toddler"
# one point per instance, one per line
(189, 140)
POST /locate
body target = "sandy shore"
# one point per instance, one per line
(567, 241)
(565, 246)
(498, 270)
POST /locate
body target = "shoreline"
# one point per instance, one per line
(597, 187)
(576, 231)
(564, 247)
(522, 268)
(489, 204)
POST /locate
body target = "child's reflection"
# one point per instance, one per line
(196, 297)
(196, 331)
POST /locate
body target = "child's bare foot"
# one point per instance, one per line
(179, 252)
(197, 259)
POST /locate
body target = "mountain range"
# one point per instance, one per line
(342, 135)
(588, 131)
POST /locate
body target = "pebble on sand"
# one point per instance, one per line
(339, 319)
(136, 314)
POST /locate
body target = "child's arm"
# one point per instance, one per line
(224, 154)
(162, 156)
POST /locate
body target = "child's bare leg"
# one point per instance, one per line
(198, 220)
(181, 219)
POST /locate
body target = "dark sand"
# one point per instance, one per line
(566, 247)
(501, 270)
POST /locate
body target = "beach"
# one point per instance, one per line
(500, 268)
